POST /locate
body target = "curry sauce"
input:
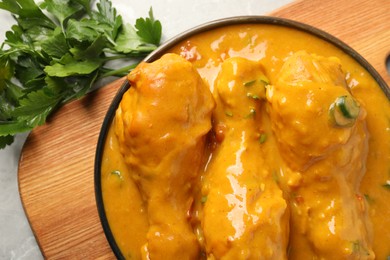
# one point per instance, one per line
(278, 150)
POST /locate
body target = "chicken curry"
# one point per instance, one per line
(250, 142)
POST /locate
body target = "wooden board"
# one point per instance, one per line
(56, 165)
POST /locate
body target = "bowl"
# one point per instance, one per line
(183, 36)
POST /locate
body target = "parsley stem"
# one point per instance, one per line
(110, 40)
(116, 57)
(119, 72)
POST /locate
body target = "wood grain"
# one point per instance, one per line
(56, 179)
(56, 166)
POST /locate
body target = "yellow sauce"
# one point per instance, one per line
(276, 182)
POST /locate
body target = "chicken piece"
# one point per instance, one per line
(244, 215)
(161, 124)
(327, 211)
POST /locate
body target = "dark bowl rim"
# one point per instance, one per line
(235, 20)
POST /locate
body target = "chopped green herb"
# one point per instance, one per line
(257, 87)
(355, 246)
(118, 174)
(358, 248)
(348, 106)
(228, 113)
(55, 53)
(387, 185)
(262, 138)
(254, 96)
(344, 111)
(368, 199)
(203, 199)
(249, 83)
(275, 176)
(252, 113)
(264, 80)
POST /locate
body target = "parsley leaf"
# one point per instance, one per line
(63, 9)
(35, 108)
(73, 67)
(57, 51)
(129, 43)
(108, 16)
(24, 9)
(56, 45)
(149, 29)
(6, 140)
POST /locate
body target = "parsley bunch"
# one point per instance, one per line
(57, 51)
